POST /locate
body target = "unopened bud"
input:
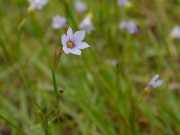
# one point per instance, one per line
(61, 90)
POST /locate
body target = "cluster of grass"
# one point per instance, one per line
(98, 98)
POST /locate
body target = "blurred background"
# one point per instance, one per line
(131, 41)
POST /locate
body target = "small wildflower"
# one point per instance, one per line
(123, 25)
(112, 62)
(58, 22)
(80, 6)
(130, 26)
(72, 43)
(87, 24)
(122, 2)
(154, 82)
(36, 4)
(175, 33)
(125, 3)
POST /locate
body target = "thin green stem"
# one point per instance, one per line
(2, 39)
(54, 83)
(46, 125)
(56, 61)
(19, 37)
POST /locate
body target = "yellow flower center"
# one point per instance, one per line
(70, 44)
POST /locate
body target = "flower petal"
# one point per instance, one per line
(81, 45)
(123, 25)
(64, 40)
(69, 34)
(78, 36)
(158, 83)
(154, 78)
(65, 49)
(75, 51)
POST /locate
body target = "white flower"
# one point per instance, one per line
(72, 43)
(123, 25)
(58, 22)
(37, 3)
(80, 6)
(175, 33)
(87, 24)
(154, 83)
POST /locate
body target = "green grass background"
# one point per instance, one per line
(98, 98)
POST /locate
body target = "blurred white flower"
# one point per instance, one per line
(38, 4)
(130, 26)
(58, 22)
(80, 6)
(86, 24)
(72, 43)
(175, 33)
(123, 25)
(154, 82)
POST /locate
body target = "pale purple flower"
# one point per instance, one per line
(175, 33)
(86, 24)
(122, 2)
(112, 62)
(72, 43)
(37, 3)
(131, 26)
(58, 22)
(80, 6)
(154, 82)
(123, 25)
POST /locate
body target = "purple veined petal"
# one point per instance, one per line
(76, 42)
(75, 51)
(64, 40)
(69, 34)
(78, 36)
(65, 49)
(81, 45)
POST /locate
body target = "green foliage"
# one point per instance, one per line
(98, 98)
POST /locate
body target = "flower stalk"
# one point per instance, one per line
(56, 61)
